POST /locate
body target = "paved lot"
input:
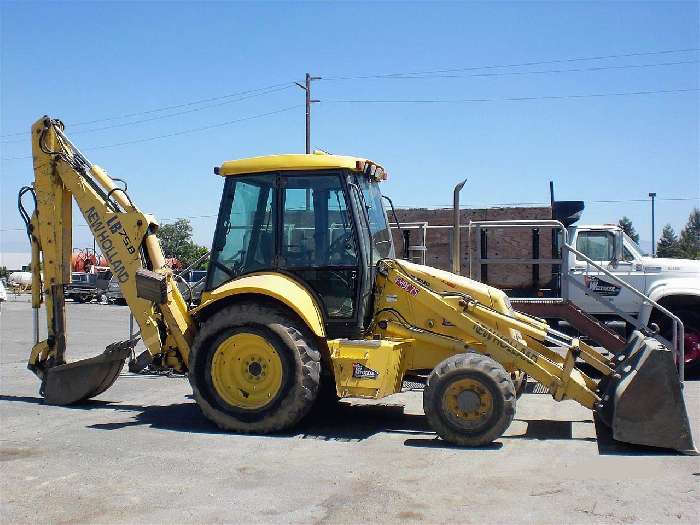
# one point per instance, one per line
(143, 452)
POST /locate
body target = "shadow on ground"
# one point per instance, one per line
(346, 422)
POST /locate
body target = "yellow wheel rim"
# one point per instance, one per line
(246, 371)
(468, 402)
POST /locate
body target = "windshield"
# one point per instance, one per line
(635, 252)
(382, 242)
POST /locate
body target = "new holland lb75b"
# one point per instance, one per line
(305, 299)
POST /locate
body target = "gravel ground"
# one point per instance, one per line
(143, 452)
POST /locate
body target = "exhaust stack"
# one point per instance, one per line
(456, 238)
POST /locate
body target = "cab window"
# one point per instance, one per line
(316, 227)
(318, 240)
(379, 232)
(244, 241)
(599, 246)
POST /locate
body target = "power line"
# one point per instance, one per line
(166, 108)
(195, 130)
(674, 199)
(521, 64)
(289, 85)
(389, 75)
(386, 101)
(176, 133)
(541, 72)
(508, 99)
(169, 115)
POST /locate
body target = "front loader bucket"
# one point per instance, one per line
(81, 380)
(642, 402)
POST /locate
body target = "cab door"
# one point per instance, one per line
(318, 244)
(605, 248)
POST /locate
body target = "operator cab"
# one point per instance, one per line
(318, 218)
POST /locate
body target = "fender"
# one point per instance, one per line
(668, 288)
(280, 287)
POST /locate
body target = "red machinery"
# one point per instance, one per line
(82, 260)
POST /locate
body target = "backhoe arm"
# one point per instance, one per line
(126, 237)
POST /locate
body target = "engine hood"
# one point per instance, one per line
(680, 266)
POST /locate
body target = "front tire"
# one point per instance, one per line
(254, 368)
(469, 399)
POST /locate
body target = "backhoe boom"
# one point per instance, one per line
(126, 237)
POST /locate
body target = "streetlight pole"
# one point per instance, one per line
(307, 88)
(653, 238)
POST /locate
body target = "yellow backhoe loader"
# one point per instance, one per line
(305, 299)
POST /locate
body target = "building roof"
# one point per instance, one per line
(313, 161)
(15, 260)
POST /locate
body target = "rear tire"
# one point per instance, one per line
(469, 399)
(224, 385)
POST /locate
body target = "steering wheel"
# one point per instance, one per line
(341, 246)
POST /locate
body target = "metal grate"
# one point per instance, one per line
(412, 386)
(536, 388)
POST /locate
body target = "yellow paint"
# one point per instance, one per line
(473, 387)
(246, 371)
(277, 286)
(422, 315)
(120, 234)
(438, 315)
(290, 162)
(383, 357)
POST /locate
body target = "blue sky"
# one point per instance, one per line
(88, 61)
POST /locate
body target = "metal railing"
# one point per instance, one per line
(678, 335)
(678, 328)
(519, 223)
(422, 228)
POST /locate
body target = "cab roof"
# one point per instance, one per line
(289, 162)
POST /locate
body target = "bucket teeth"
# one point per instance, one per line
(74, 382)
(642, 401)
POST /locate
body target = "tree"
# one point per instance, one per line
(626, 224)
(690, 236)
(4, 272)
(668, 245)
(176, 241)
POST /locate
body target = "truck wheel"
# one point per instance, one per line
(691, 343)
(254, 369)
(469, 399)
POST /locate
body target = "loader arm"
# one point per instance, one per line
(441, 314)
(436, 318)
(126, 237)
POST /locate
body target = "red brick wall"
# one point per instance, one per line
(502, 243)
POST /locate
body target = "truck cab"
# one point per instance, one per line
(673, 283)
(610, 247)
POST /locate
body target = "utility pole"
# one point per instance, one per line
(307, 87)
(653, 238)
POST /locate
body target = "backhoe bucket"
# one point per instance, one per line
(81, 380)
(642, 402)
